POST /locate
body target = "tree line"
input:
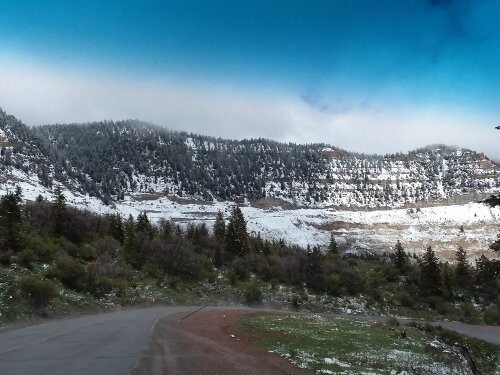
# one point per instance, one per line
(99, 254)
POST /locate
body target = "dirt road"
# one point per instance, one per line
(208, 343)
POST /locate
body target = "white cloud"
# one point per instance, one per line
(40, 95)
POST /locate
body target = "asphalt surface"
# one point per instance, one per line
(113, 343)
(105, 344)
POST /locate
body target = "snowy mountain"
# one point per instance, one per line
(112, 159)
(300, 193)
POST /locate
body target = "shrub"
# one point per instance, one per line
(468, 313)
(491, 315)
(70, 272)
(392, 322)
(39, 292)
(404, 299)
(253, 294)
(26, 258)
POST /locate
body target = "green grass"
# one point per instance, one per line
(338, 346)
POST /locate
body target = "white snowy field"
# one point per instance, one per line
(375, 231)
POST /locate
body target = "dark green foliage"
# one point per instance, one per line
(462, 270)
(115, 227)
(10, 223)
(400, 258)
(486, 278)
(314, 277)
(143, 225)
(253, 294)
(89, 257)
(236, 240)
(58, 211)
(430, 273)
(26, 258)
(39, 292)
(220, 228)
(70, 272)
(130, 252)
(333, 247)
(491, 315)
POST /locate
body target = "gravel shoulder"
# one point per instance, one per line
(209, 342)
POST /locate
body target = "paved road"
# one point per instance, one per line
(105, 344)
(112, 343)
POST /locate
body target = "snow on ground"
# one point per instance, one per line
(356, 230)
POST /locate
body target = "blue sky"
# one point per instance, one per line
(346, 72)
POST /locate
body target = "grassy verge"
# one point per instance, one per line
(338, 346)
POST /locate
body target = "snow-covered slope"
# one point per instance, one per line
(111, 160)
(333, 188)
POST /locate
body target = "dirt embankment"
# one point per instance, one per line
(208, 343)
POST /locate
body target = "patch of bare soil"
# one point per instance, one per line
(209, 342)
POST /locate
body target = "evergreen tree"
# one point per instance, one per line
(220, 228)
(430, 273)
(10, 222)
(486, 277)
(314, 270)
(236, 241)
(447, 280)
(115, 227)
(166, 229)
(130, 253)
(333, 248)
(144, 225)
(400, 258)
(495, 246)
(462, 269)
(58, 210)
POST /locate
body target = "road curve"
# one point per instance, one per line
(113, 343)
(104, 344)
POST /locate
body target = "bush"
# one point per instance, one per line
(491, 315)
(26, 258)
(468, 313)
(39, 292)
(253, 294)
(70, 272)
(404, 299)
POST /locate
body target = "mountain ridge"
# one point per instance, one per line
(111, 159)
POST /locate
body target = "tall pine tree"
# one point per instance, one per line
(400, 258)
(10, 223)
(462, 269)
(333, 247)
(430, 273)
(236, 241)
(58, 210)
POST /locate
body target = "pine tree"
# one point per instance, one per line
(58, 210)
(400, 258)
(333, 248)
(220, 228)
(236, 234)
(10, 223)
(130, 243)
(166, 230)
(143, 225)
(430, 273)
(462, 269)
(115, 226)
(447, 280)
(314, 270)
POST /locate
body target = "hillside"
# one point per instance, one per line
(109, 160)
